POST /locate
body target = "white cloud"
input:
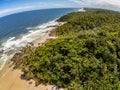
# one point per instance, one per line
(107, 4)
(13, 10)
(48, 5)
(26, 7)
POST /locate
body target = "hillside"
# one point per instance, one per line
(85, 56)
(90, 20)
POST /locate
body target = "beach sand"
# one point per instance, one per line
(11, 78)
(12, 81)
(40, 41)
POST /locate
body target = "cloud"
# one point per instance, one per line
(13, 10)
(26, 7)
(106, 4)
(41, 5)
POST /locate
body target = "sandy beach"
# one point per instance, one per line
(10, 78)
(12, 81)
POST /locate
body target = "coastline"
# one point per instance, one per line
(77, 70)
(35, 34)
(8, 72)
(13, 45)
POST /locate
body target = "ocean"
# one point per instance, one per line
(17, 30)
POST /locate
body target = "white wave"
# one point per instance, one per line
(2, 63)
(29, 28)
(13, 44)
(11, 38)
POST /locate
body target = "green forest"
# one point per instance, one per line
(85, 56)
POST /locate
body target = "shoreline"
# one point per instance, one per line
(36, 43)
(8, 71)
(13, 81)
(7, 67)
(13, 45)
(37, 39)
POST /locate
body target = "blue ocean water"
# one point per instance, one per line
(15, 24)
(12, 27)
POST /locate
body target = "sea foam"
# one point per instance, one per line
(13, 44)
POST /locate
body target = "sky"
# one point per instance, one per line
(12, 6)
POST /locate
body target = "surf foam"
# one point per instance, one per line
(13, 45)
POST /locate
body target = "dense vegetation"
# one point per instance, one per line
(90, 20)
(86, 56)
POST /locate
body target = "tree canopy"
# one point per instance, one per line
(85, 56)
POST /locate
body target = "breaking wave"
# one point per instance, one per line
(9, 47)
